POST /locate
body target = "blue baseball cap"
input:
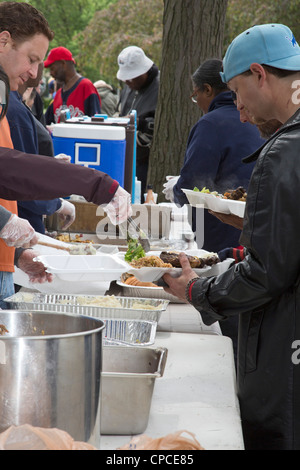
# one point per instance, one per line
(269, 44)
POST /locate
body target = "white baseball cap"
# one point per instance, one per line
(133, 62)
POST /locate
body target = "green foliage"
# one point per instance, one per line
(97, 30)
(68, 17)
(242, 14)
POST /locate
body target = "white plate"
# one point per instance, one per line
(85, 268)
(148, 292)
(215, 203)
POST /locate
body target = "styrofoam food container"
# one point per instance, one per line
(214, 203)
(84, 268)
(149, 274)
(215, 269)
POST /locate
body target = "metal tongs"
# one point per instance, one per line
(142, 237)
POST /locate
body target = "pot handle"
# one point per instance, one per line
(162, 361)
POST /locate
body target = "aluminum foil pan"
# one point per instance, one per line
(129, 332)
(131, 308)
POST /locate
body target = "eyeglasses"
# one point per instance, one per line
(194, 96)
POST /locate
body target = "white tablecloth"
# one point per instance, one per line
(196, 393)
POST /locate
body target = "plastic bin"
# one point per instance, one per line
(130, 125)
(100, 147)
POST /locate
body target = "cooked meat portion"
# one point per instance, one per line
(150, 261)
(238, 194)
(196, 262)
(133, 281)
(172, 257)
(211, 260)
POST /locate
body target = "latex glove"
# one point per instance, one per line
(67, 213)
(119, 208)
(169, 185)
(62, 156)
(35, 270)
(18, 233)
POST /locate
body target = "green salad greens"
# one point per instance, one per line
(134, 251)
(205, 190)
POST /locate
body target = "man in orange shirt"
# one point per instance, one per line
(24, 41)
(20, 59)
(8, 255)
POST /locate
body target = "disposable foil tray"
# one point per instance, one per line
(131, 308)
(129, 332)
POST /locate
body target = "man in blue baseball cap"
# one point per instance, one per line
(262, 67)
(269, 44)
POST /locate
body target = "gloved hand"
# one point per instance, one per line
(63, 157)
(238, 254)
(119, 208)
(35, 270)
(18, 233)
(67, 213)
(169, 185)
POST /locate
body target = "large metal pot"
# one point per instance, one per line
(50, 369)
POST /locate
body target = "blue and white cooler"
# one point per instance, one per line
(100, 147)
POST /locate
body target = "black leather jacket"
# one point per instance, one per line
(264, 290)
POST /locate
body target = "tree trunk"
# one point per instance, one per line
(193, 32)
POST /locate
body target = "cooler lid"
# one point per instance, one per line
(86, 131)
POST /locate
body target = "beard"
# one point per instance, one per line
(268, 128)
(257, 121)
(265, 127)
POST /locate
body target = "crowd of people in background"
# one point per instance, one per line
(139, 78)
(65, 89)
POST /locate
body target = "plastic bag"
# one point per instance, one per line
(27, 437)
(173, 441)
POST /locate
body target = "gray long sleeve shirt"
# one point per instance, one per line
(4, 217)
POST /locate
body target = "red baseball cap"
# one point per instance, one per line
(58, 53)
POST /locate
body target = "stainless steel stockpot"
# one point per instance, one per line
(50, 371)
